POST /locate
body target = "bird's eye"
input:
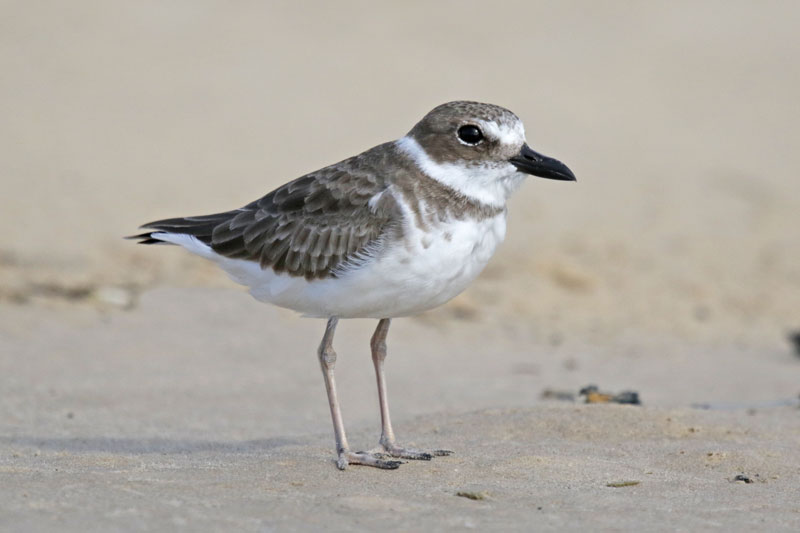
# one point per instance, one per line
(470, 134)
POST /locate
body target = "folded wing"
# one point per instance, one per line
(316, 226)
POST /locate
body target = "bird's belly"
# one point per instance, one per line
(431, 268)
(422, 271)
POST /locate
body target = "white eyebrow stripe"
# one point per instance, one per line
(511, 135)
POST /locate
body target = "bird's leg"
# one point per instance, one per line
(387, 442)
(327, 360)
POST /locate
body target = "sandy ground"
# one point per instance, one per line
(140, 390)
(204, 410)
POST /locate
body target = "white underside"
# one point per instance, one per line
(420, 272)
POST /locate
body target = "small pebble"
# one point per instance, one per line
(592, 394)
(473, 495)
(618, 484)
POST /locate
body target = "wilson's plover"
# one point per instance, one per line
(394, 231)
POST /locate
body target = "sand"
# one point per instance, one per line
(141, 390)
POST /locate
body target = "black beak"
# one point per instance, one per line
(537, 164)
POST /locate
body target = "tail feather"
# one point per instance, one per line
(146, 238)
(200, 227)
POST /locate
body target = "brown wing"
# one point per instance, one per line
(310, 227)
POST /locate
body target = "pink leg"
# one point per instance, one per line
(327, 360)
(387, 442)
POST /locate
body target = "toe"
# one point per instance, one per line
(388, 465)
(376, 460)
(412, 453)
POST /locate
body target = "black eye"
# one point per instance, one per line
(470, 134)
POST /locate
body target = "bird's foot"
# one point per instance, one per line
(393, 450)
(378, 460)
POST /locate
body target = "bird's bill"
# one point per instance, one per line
(536, 164)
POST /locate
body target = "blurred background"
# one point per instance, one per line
(680, 120)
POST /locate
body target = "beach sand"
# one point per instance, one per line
(141, 390)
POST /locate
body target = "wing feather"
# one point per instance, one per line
(312, 226)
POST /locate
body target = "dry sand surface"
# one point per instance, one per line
(140, 390)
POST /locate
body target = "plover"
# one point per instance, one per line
(391, 232)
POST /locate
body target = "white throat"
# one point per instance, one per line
(490, 183)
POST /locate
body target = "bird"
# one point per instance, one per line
(394, 231)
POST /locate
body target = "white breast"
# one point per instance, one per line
(424, 270)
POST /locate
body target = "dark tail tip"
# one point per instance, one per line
(146, 238)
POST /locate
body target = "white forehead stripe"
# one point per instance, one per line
(508, 134)
(490, 183)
